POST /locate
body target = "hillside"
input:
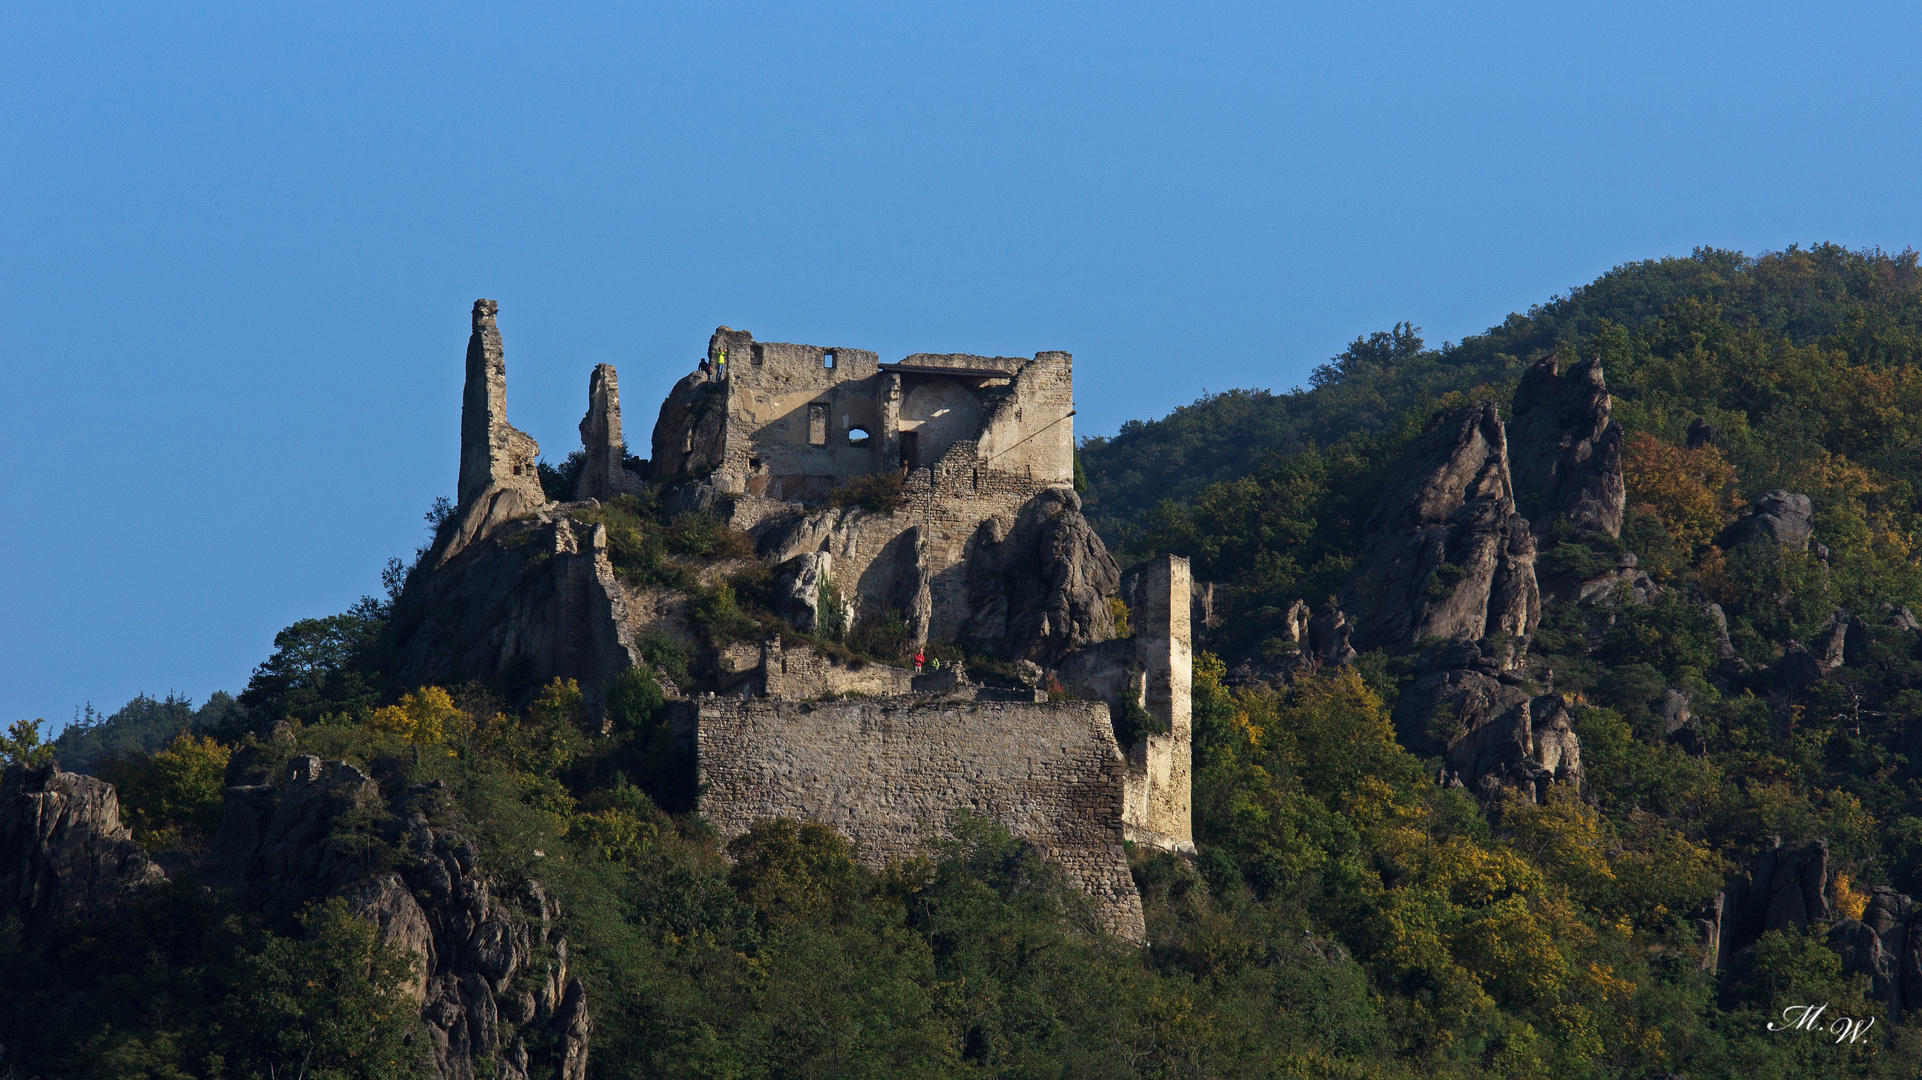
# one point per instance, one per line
(1730, 678)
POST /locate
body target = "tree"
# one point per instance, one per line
(21, 744)
(330, 1006)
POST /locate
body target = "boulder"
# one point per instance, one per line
(1565, 451)
(691, 430)
(1785, 518)
(1900, 617)
(1877, 945)
(1447, 555)
(1724, 648)
(63, 850)
(1674, 710)
(1830, 644)
(539, 594)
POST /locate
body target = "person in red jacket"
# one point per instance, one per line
(918, 658)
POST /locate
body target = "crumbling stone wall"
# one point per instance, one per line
(1160, 770)
(498, 480)
(887, 773)
(603, 472)
(976, 439)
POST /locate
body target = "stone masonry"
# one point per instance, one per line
(603, 473)
(1161, 768)
(889, 773)
(498, 481)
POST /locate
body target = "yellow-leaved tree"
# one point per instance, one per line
(425, 717)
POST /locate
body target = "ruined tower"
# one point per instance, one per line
(498, 481)
(603, 475)
(1156, 803)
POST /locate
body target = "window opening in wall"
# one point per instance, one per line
(910, 451)
(758, 356)
(753, 463)
(817, 425)
(858, 436)
(827, 359)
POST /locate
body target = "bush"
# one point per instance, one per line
(879, 492)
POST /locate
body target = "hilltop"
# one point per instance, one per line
(1554, 713)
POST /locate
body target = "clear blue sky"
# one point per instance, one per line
(240, 243)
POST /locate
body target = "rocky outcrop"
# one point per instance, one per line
(537, 597)
(1043, 589)
(498, 478)
(1447, 554)
(797, 589)
(1884, 945)
(1491, 733)
(603, 472)
(691, 431)
(1565, 451)
(1701, 434)
(1784, 518)
(63, 850)
(1785, 890)
(491, 976)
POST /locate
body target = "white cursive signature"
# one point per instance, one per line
(1809, 1018)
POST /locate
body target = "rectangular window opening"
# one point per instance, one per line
(827, 359)
(817, 425)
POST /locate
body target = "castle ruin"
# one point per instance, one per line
(976, 539)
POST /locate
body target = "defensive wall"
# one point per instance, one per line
(889, 773)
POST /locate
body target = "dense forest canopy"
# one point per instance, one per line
(1345, 916)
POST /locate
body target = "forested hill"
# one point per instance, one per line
(1855, 309)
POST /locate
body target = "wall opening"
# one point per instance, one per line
(758, 355)
(817, 424)
(910, 451)
(827, 359)
(858, 436)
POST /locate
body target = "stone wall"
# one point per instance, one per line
(887, 774)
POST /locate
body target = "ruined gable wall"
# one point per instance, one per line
(885, 772)
(1031, 433)
(770, 388)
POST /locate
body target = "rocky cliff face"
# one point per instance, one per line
(63, 850)
(1489, 729)
(1566, 452)
(538, 592)
(1447, 554)
(1042, 590)
(491, 971)
(690, 432)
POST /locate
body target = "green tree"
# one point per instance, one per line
(331, 1006)
(21, 744)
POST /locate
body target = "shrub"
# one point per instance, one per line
(879, 492)
(706, 536)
